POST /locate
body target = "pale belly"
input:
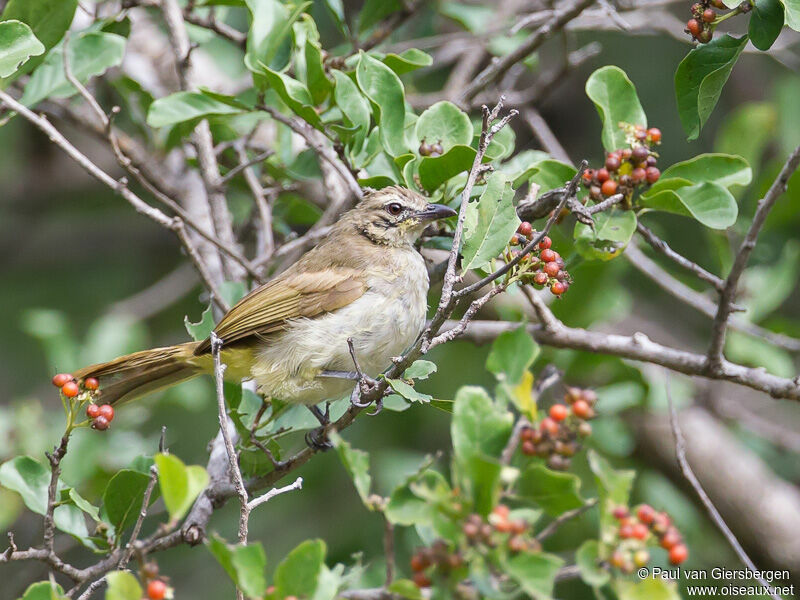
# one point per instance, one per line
(383, 323)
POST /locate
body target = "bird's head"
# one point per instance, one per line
(395, 216)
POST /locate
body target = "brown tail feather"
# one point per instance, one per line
(129, 377)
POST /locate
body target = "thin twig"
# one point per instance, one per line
(728, 295)
(148, 492)
(259, 500)
(688, 473)
(551, 528)
(89, 591)
(55, 470)
(260, 199)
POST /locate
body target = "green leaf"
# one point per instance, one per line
(548, 175)
(298, 574)
(444, 122)
(756, 352)
(203, 328)
(764, 288)
(489, 224)
(747, 131)
(406, 589)
(82, 503)
(385, 90)
(616, 101)
(723, 169)
(179, 484)
(48, 19)
(357, 464)
(613, 230)
(408, 392)
(182, 107)
(588, 560)
(436, 170)
(553, 491)
(91, 54)
(535, 573)
(472, 17)
(122, 498)
(707, 202)
(44, 590)
(353, 105)
(614, 487)
(245, 565)
(511, 354)
(646, 589)
(792, 13)
(293, 93)
(122, 585)
(700, 78)
(316, 80)
(410, 60)
(269, 41)
(420, 369)
(376, 10)
(766, 22)
(479, 426)
(17, 45)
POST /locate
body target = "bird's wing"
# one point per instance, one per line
(306, 294)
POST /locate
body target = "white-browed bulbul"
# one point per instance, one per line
(365, 281)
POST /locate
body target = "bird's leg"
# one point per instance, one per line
(365, 383)
(317, 439)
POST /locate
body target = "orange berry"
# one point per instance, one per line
(581, 409)
(678, 554)
(548, 255)
(421, 580)
(558, 412)
(93, 411)
(60, 379)
(519, 526)
(549, 425)
(654, 134)
(602, 175)
(70, 389)
(107, 411)
(670, 539)
(640, 531)
(551, 268)
(545, 243)
(91, 383)
(156, 590)
(502, 525)
(609, 187)
(558, 288)
(646, 514)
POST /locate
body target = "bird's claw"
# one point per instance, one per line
(317, 439)
(364, 386)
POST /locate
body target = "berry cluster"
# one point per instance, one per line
(543, 267)
(432, 561)
(156, 586)
(557, 438)
(705, 19)
(645, 527)
(101, 415)
(500, 529)
(432, 150)
(626, 169)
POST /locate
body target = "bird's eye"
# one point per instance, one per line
(395, 208)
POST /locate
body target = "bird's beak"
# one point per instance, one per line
(433, 212)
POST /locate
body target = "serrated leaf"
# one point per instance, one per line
(90, 54)
(245, 565)
(489, 224)
(202, 329)
(511, 354)
(357, 464)
(615, 98)
(408, 392)
(122, 585)
(700, 78)
(385, 91)
(17, 45)
(553, 491)
(179, 484)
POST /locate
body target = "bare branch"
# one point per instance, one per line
(260, 198)
(148, 492)
(553, 526)
(686, 469)
(259, 500)
(728, 295)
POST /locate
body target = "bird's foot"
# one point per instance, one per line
(317, 439)
(323, 417)
(366, 385)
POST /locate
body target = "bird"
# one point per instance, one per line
(360, 294)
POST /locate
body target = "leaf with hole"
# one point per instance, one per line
(17, 45)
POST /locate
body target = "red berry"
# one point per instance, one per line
(418, 563)
(90, 383)
(107, 411)
(528, 448)
(60, 379)
(70, 389)
(652, 174)
(609, 187)
(618, 559)
(626, 531)
(558, 412)
(502, 511)
(471, 530)
(421, 580)
(646, 514)
(156, 590)
(519, 527)
(626, 153)
(540, 278)
(100, 423)
(588, 175)
(525, 229)
(709, 15)
(640, 531)
(639, 154)
(517, 544)
(558, 288)
(678, 554)
(581, 409)
(638, 175)
(661, 523)
(620, 512)
(552, 269)
(545, 243)
(93, 411)
(612, 162)
(654, 134)
(602, 175)
(670, 539)
(548, 255)
(694, 26)
(549, 425)
(502, 526)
